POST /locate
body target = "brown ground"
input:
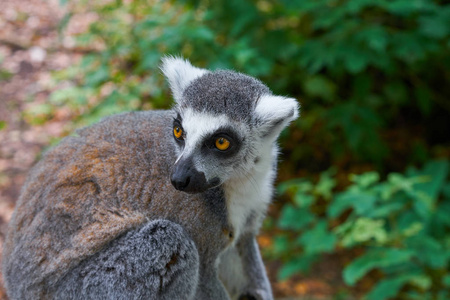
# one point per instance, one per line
(30, 49)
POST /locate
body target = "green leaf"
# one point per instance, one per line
(73, 95)
(281, 244)
(438, 171)
(3, 124)
(355, 60)
(413, 229)
(376, 37)
(435, 26)
(362, 203)
(339, 204)
(318, 239)
(294, 184)
(374, 259)
(362, 230)
(446, 280)
(98, 76)
(149, 61)
(399, 182)
(320, 86)
(299, 264)
(442, 295)
(41, 109)
(365, 180)
(421, 281)
(427, 186)
(429, 251)
(294, 218)
(5, 74)
(65, 19)
(203, 33)
(325, 185)
(446, 190)
(385, 210)
(303, 200)
(388, 288)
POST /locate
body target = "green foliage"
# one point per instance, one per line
(375, 258)
(357, 65)
(3, 124)
(125, 46)
(4, 74)
(402, 223)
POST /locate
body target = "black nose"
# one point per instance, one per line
(179, 181)
(185, 177)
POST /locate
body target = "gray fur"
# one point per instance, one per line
(98, 217)
(230, 93)
(258, 284)
(242, 270)
(232, 272)
(92, 189)
(157, 261)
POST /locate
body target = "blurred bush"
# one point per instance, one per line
(373, 79)
(402, 224)
(359, 66)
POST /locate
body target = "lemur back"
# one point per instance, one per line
(157, 204)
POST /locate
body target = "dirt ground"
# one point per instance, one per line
(30, 49)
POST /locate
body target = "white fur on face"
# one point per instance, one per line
(197, 125)
(249, 196)
(179, 72)
(248, 188)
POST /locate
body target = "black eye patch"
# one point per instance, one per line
(178, 120)
(223, 132)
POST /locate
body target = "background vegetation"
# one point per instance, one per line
(365, 171)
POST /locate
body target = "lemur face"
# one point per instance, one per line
(226, 124)
(211, 149)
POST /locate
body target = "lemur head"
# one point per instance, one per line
(226, 125)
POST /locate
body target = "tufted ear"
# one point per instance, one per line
(274, 113)
(179, 72)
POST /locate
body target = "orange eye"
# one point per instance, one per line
(177, 132)
(222, 144)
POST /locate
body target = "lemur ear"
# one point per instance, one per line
(179, 72)
(274, 113)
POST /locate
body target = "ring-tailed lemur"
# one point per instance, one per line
(157, 204)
